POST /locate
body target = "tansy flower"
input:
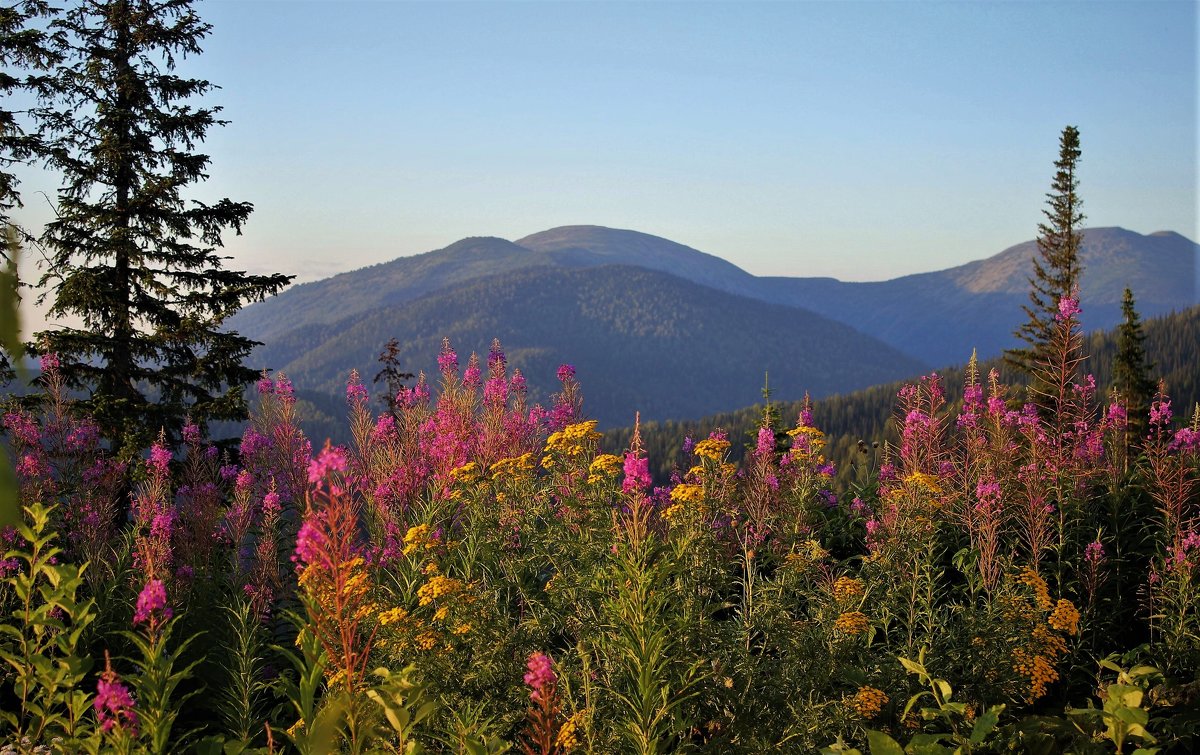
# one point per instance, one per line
(712, 448)
(868, 701)
(847, 589)
(1065, 617)
(852, 623)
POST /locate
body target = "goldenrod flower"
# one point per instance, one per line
(922, 480)
(685, 493)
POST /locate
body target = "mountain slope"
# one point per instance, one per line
(641, 340)
(940, 317)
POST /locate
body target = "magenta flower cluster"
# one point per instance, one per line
(540, 676)
(152, 604)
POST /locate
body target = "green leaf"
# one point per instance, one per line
(986, 724)
(882, 744)
(913, 667)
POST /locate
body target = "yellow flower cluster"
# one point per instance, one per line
(852, 623)
(513, 467)
(467, 473)
(416, 538)
(922, 480)
(1065, 617)
(711, 448)
(846, 589)
(604, 467)
(868, 701)
(672, 511)
(572, 440)
(1033, 580)
(686, 493)
(393, 616)
(568, 736)
(1037, 668)
(438, 586)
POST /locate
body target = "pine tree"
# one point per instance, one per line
(133, 261)
(1056, 274)
(1131, 372)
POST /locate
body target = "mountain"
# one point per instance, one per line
(485, 287)
(940, 317)
(641, 340)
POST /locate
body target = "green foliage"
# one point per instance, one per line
(1124, 715)
(41, 638)
(405, 704)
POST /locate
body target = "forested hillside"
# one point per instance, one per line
(1172, 345)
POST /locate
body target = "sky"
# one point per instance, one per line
(859, 140)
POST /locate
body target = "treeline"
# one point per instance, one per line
(1170, 343)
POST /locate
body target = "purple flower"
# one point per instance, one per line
(356, 392)
(1094, 553)
(1160, 412)
(114, 704)
(265, 385)
(766, 441)
(160, 459)
(152, 603)
(565, 372)
(50, 362)
(637, 474)
(191, 433)
(1068, 307)
(540, 676)
(331, 459)
(688, 444)
(1186, 439)
(23, 428)
(311, 544)
(447, 360)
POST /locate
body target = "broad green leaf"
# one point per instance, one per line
(882, 744)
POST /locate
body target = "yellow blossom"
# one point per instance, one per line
(848, 589)
(852, 623)
(711, 448)
(604, 467)
(392, 616)
(467, 473)
(515, 467)
(868, 701)
(1032, 579)
(568, 738)
(685, 493)
(1065, 617)
(416, 538)
(437, 587)
(922, 480)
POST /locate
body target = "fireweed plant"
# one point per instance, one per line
(474, 573)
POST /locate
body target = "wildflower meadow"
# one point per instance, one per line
(476, 574)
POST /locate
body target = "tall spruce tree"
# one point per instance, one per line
(133, 258)
(1131, 371)
(1057, 268)
(27, 52)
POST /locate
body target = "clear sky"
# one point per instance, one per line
(860, 140)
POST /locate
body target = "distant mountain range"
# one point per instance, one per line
(658, 327)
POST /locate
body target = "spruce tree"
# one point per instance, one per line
(27, 52)
(1056, 268)
(1131, 372)
(133, 259)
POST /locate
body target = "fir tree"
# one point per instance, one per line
(1056, 269)
(133, 261)
(1131, 372)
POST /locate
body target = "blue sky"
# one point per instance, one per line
(860, 140)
